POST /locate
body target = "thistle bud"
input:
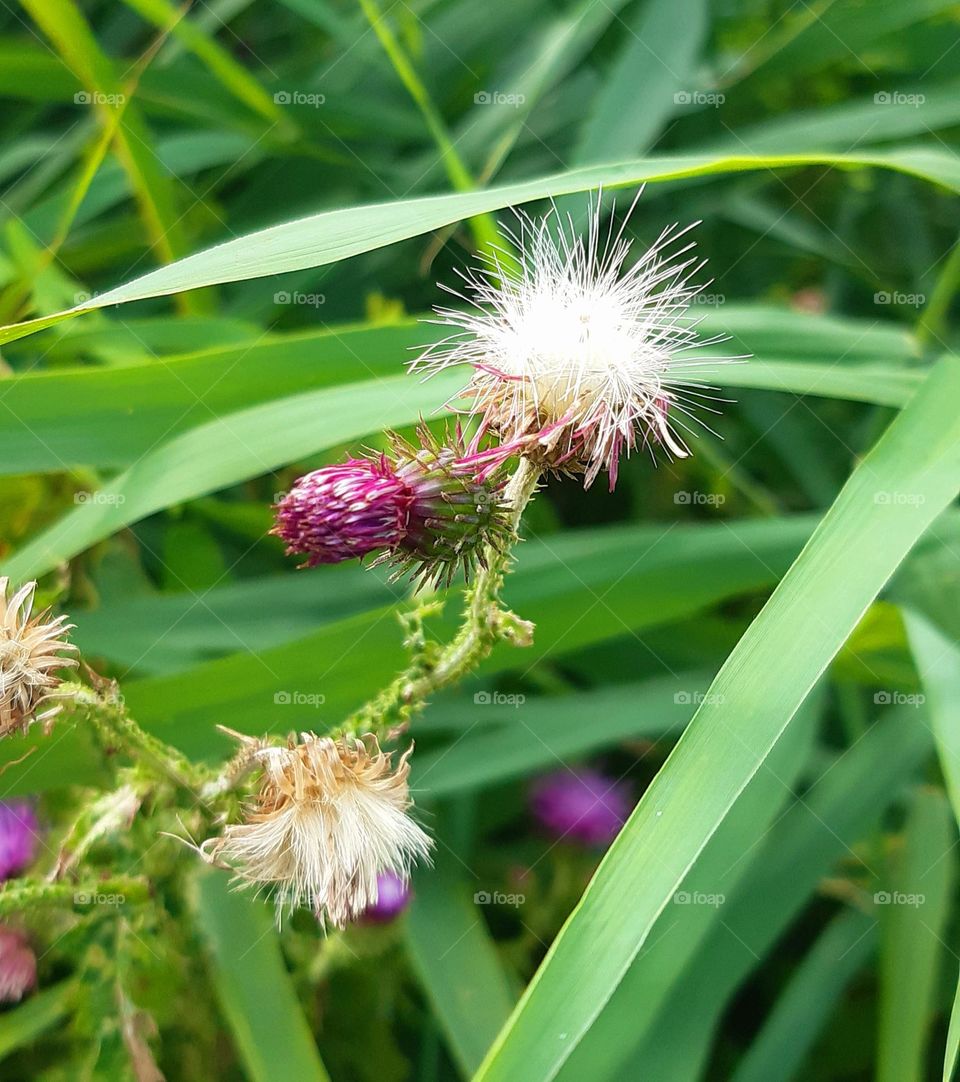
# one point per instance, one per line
(31, 654)
(427, 508)
(330, 818)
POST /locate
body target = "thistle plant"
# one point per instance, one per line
(572, 362)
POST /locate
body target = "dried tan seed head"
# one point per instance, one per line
(31, 656)
(330, 816)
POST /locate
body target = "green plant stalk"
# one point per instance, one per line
(484, 230)
(485, 623)
(23, 894)
(117, 731)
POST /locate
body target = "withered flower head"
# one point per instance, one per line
(31, 655)
(329, 818)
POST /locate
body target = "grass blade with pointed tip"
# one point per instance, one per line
(333, 235)
(859, 543)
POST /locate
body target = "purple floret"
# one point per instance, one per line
(19, 833)
(582, 806)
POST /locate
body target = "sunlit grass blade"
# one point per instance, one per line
(338, 234)
(852, 554)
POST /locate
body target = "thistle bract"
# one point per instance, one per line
(427, 508)
(570, 346)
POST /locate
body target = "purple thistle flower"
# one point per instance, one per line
(342, 511)
(18, 966)
(583, 806)
(428, 508)
(19, 832)
(393, 897)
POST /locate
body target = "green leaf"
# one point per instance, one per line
(852, 554)
(938, 662)
(338, 234)
(110, 416)
(222, 452)
(456, 960)
(662, 1022)
(22, 1025)
(252, 983)
(913, 915)
(537, 734)
(805, 1006)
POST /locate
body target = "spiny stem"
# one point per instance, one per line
(25, 894)
(485, 623)
(117, 731)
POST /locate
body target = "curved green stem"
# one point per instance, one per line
(118, 890)
(485, 623)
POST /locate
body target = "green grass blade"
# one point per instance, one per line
(805, 1005)
(222, 452)
(456, 960)
(23, 1024)
(938, 662)
(256, 994)
(856, 548)
(658, 1024)
(338, 234)
(913, 913)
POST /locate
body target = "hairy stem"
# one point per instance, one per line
(485, 623)
(22, 894)
(117, 731)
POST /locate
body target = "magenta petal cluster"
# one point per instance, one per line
(429, 508)
(19, 833)
(18, 966)
(582, 806)
(393, 897)
(343, 511)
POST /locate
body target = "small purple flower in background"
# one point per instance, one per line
(583, 806)
(393, 897)
(18, 966)
(19, 832)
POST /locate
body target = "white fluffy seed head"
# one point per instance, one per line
(569, 347)
(330, 816)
